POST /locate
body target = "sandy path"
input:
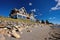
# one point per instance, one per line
(38, 33)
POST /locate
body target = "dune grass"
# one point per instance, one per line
(17, 20)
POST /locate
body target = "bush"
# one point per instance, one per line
(42, 21)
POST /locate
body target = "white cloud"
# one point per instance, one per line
(30, 4)
(57, 7)
(54, 8)
(33, 10)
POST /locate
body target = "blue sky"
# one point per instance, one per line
(43, 8)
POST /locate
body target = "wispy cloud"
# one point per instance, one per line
(52, 18)
(57, 7)
(35, 15)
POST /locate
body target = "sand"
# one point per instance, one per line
(36, 33)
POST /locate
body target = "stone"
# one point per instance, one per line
(2, 25)
(19, 28)
(15, 34)
(29, 30)
(8, 26)
(3, 31)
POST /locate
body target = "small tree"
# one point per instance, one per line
(47, 22)
(42, 21)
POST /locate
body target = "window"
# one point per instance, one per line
(24, 17)
(19, 16)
